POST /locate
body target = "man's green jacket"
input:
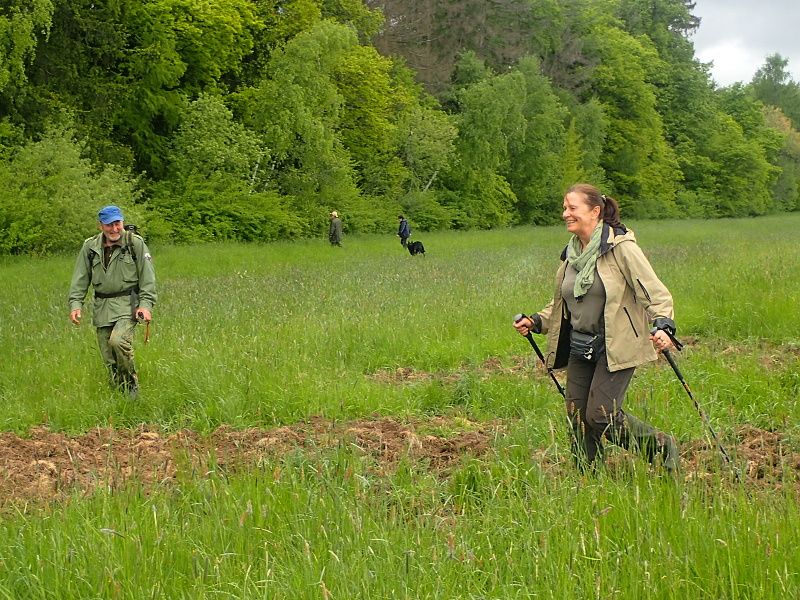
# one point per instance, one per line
(124, 272)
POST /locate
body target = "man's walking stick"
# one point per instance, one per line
(146, 327)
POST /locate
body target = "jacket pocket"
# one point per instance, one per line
(644, 290)
(630, 320)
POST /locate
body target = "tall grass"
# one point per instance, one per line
(262, 335)
(329, 529)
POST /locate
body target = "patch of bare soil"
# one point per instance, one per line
(47, 465)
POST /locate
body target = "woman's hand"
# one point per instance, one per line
(661, 340)
(524, 326)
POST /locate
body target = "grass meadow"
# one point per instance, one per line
(270, 335)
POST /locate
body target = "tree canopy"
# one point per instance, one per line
(253, 119)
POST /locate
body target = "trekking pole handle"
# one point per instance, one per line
(140, 315)
(529, 336)
(668, 355)
(672, 338)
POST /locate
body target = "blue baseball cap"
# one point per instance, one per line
(109, 214)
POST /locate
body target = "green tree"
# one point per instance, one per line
(536, 170)
(787, 187)
(773, 85)
(743, 177)
(639, 164)
(740, 147)
(356, 14)
(684, 93)
(589, 124)
(128, 68)
(298, 112)
(490, 125)
(282, 20)
(20, 24)
(665, 22)
(209, 141)
(285, 19)
(428, 146)
(213, 173)
(222, 207)
(368, 125)
(180, 48)
(76, 68)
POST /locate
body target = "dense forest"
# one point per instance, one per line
(252, 119)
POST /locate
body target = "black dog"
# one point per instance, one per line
(415, 248)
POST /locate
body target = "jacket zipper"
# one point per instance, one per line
(625, 308)
(644, 290)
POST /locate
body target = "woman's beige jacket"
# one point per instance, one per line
(635, 298)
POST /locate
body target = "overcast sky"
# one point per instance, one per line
(738, 35)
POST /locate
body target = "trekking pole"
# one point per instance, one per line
(529, 337)
(703, 417)
(570, 425)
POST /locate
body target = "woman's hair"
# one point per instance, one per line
(609, 209)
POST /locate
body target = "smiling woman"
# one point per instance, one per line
(607, 297)
(581, 217)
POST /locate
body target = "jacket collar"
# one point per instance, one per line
(611, 237)
(96, 243)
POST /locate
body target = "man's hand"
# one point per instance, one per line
(75, 316)
(143, 315)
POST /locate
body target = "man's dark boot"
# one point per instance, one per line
(131, 386)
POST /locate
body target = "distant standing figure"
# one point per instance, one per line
(335, 235)
(117, 265)
(404, 232)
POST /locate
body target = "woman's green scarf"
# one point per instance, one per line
(584, 262)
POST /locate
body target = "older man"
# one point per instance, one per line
(118, 266)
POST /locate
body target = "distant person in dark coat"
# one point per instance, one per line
(335, 235)
(404, 232)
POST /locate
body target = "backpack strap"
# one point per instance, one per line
(128, 247)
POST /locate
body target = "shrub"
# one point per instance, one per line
(221, 208)
(50, 195)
